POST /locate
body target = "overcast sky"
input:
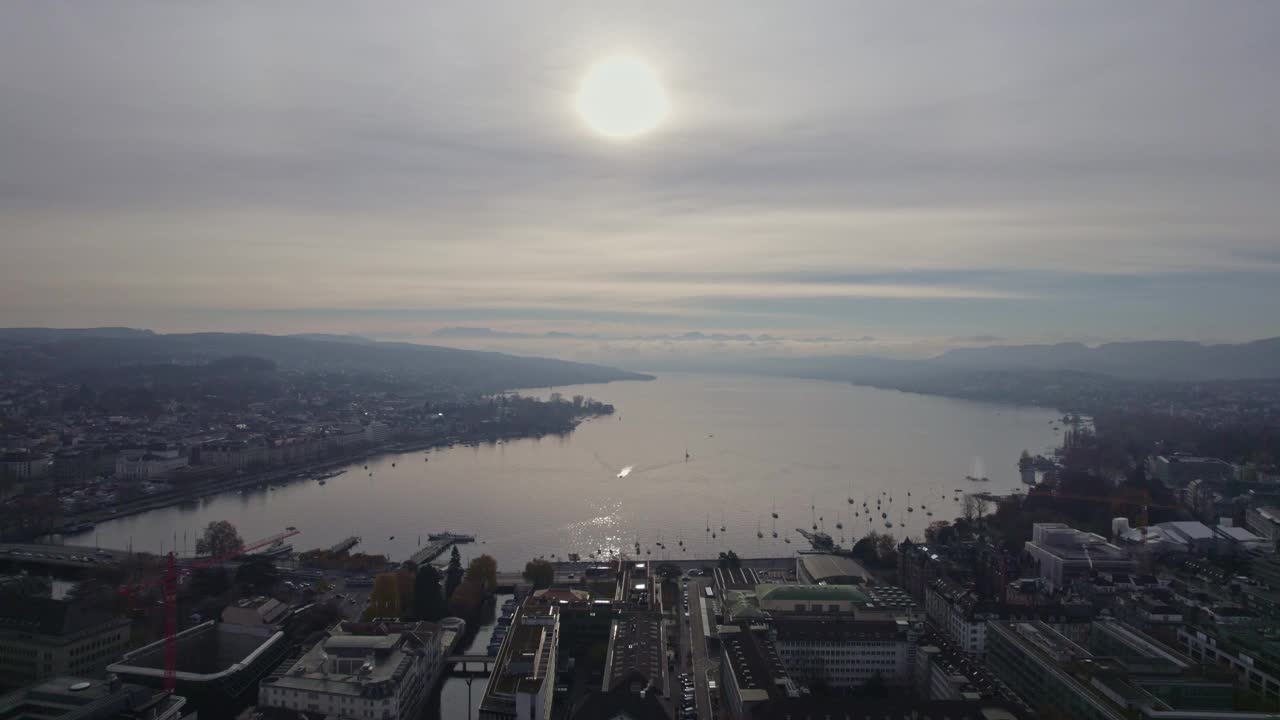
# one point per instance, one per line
(896, 176)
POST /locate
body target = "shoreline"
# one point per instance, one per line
(273, 476)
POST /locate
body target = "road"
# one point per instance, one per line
(70, 556)
(701, 664)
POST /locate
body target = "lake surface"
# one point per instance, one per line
(753, 443)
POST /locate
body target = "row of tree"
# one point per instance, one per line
(424, 593)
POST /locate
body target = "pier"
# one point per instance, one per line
(432, 550)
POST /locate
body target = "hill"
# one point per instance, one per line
(45, 351)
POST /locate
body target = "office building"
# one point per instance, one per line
(41, 637)
(219, 664)
(79, 698)
(637, 654)
(522, 685)
(1119, 674)
(1251, 654)
(1177, 470)
(1065, 555)
(841, 652)
(1264, 522)
(376, 670)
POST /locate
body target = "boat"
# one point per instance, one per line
(971, 478)
(455, 537)
(323, 481)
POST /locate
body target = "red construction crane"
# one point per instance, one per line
(168, 584)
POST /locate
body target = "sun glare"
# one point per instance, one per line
(621, 97)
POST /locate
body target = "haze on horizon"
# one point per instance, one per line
(860, 177)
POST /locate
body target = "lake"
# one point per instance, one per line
(754, 444)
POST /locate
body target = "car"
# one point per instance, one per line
(340, 596)
(352, 601)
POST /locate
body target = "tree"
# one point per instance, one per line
(453, 574)
(539, 573)
(384, 600)
(258, 575)
(220, 539)
(729, 560)
(485, 570)
(428, 598)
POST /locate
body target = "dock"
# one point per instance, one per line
(345, 545)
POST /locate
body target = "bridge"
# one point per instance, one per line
(467, 661)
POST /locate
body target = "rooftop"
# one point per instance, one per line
(523, 662)
(810, 593)
(635, 647)
(74, 698)
(821, 567)
(359, 660)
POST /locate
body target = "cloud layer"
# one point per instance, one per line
(918, 174)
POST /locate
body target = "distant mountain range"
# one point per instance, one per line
(52, 351)
(1153, 360)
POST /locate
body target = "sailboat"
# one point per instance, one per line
(775, 529)
(775, 509)
(839, 525)
(721, 521)
(708, 522)
(759, 534)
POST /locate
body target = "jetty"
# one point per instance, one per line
(434, 549)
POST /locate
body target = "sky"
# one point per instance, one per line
(832, 177)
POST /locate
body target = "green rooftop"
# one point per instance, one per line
(810, 593)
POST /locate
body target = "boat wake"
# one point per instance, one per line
(625, 471)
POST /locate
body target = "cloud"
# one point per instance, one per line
(857, 169)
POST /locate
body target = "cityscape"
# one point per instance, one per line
(617, 360)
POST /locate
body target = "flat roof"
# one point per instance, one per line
(810, 593)
(821, 566)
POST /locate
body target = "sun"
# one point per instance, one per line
(621, 97)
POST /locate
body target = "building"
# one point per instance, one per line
(840, 652)
(23, 465)
(751, 670)
(832, 708)
(1119, 674)
(261, 616)
(148, 464)
(637, 654)
(1064, 554)
(41, 637)
(824, 569)
(1177, 470)
(381, 670)
(1251, 654)
(219, 665)
(960, 615)
(938, 678)
(883, 602)
(1264, 522)
(522, 685)
(79, 698)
